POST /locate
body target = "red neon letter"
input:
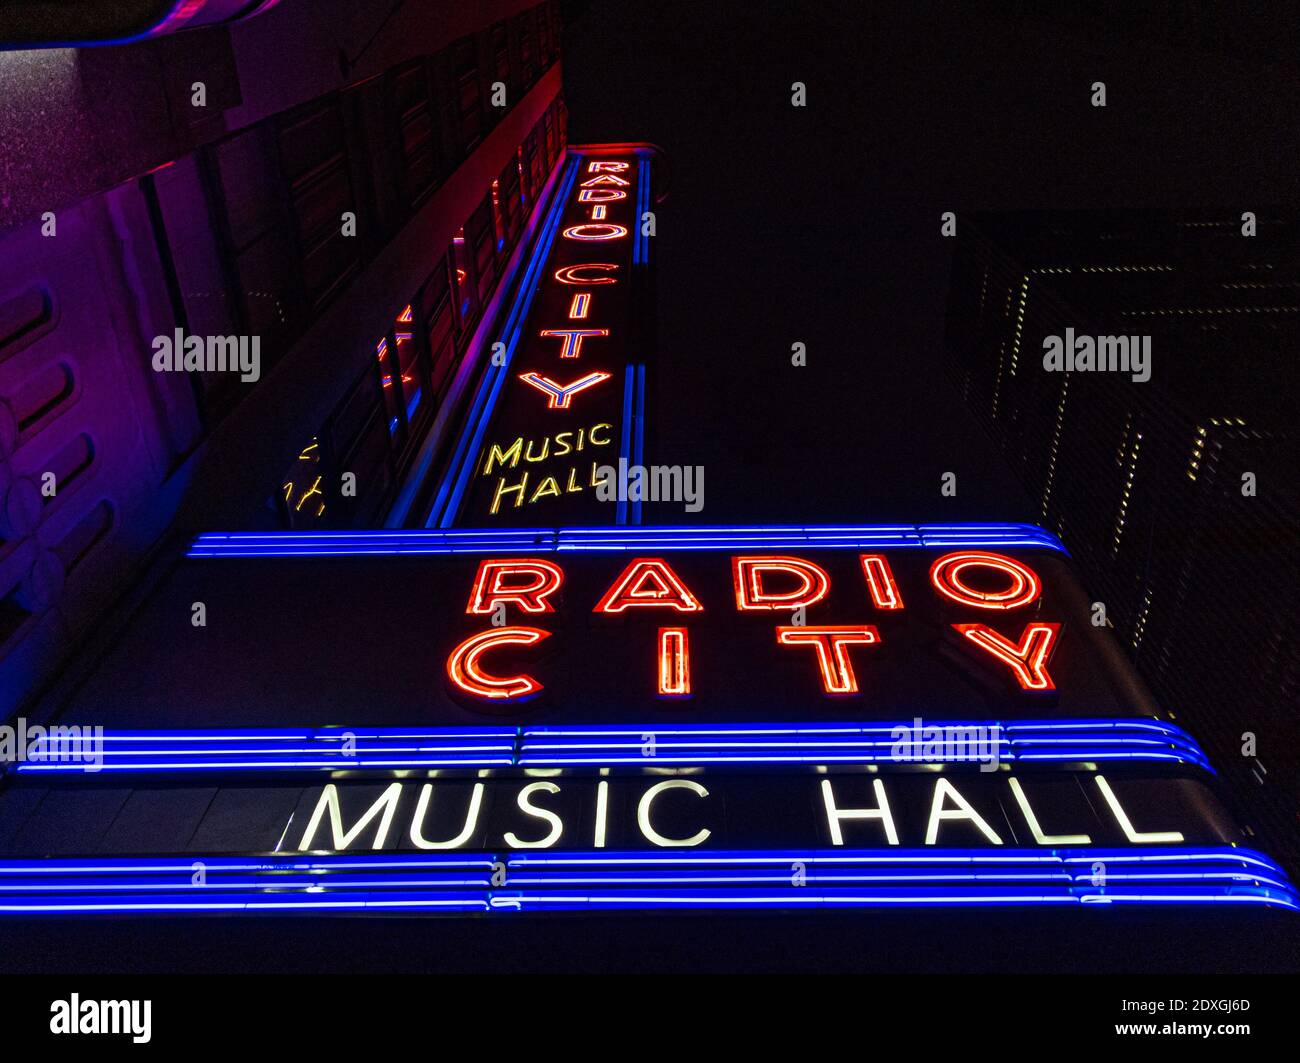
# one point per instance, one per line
(599, 167)
(600, 195)
(1027, 659)
(580, 305)
(595, 230)
(648, 583)
(945, 574)
(560, 396)
(674, 662)
(880, 581)
(831, 643)
(604, 179)
(569, 274)
(490, 587)
(747, 576)
(463, 664)
(573, 338)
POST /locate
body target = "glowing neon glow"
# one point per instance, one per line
(416, 833)
(598, 212)
(524, 801)
(664, 878)
(1126, 825)
(605, 179)
(945, 575)
(543, 578)
(880, 582)
(606, 166)
(648, 583)
(747, 577)
(831, 642)
(647, 800)
(836, 815)
(1027, 659)
(570, 275)
(944, 791)
(573, 337)
(464, 671)
(611, 539)
(327, 749)
(1017, 791)
(560, 396)
(580, 305)
(674, 662)
(600, 195)
(595, 230)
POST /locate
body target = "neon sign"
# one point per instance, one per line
(650, 584)
(629, 813)
(573, 364)
(605, 717)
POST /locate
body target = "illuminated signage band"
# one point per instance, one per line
(629, 717)
(731, 811)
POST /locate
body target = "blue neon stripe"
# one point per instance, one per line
(639, 457)
(384, 749)
(625, 437)
(641, 245)
(452, 487)
(598, 879)
(612, 539)
(514, 327)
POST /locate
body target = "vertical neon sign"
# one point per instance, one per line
(561, 412)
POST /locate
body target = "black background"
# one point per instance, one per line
(821, 224)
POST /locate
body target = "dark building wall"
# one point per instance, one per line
(79, 121)
(1144, 481)
(241, 237)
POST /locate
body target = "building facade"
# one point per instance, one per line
(358, 217)
(1175, 494)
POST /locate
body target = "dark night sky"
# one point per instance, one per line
(822, 224)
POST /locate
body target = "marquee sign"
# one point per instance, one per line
(513, 718)
(535, 720)
(563, 393)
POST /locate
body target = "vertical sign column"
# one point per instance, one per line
(563, 409)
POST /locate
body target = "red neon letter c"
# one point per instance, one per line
(464, 671)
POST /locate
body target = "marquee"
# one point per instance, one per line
(532, 720)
